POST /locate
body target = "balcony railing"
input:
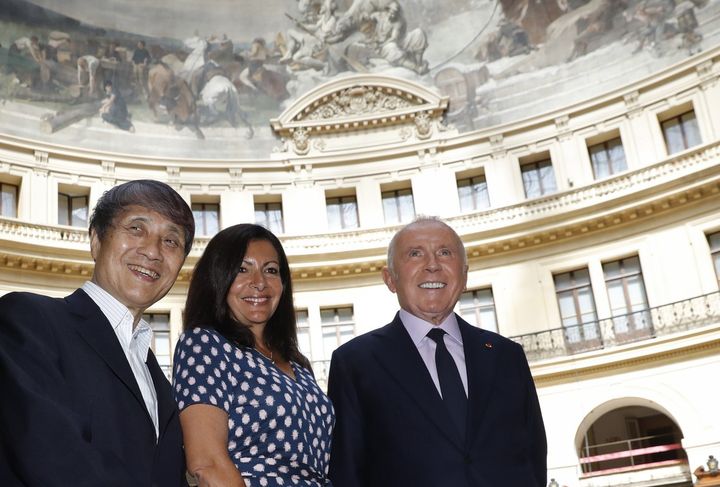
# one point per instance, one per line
(617, 330)
(632, 454)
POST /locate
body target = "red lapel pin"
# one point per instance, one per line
(488, 345)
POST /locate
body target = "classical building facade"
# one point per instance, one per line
(592, 234)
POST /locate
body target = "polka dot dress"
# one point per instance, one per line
(278, 428)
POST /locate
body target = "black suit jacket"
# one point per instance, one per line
(71, 412)
(394, 430)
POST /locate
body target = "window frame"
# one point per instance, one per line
(535, 167)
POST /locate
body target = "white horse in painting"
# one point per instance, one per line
(197, 57)
(219, 98)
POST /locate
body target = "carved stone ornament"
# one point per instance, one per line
(360, 103)
(358, 100)
(423, 126)
(301, 141)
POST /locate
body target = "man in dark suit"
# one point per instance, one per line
(429, 400)
(84, 401)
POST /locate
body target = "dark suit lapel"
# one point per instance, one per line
(166, 402)
(480, 361)
(400, 358)
(95, 329)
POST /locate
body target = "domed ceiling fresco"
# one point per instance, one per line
(201, 80)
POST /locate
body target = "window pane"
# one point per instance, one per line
(63, 209)
(390, 209)
(617, 156)
(333, 214)
(531, 182)
(568, 312)
(586, 303)
(617, 297)
(345, 314)
(673, 136)
(691, 129)
(350, 213)
(79, 211)
(407, 208)
(8, 203)
(304, 341)
(600, 163)
(327, 315)
(547, 179)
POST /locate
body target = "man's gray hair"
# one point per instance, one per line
(420, 220)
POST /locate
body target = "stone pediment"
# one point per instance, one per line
(359, 103)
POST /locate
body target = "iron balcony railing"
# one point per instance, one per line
(617, 330)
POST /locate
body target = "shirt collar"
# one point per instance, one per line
(419, 328)
(118, 314)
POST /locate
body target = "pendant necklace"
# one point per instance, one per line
(272, 361)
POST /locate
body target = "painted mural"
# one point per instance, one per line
(202, 79)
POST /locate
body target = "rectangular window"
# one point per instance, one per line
(538, 178)
(628, 301)
(681, 132)
(269, 215)
(8, 200)
(577, 309)
(477, 307)
(338, 326)
(342, 212)
(608, 158)
(303, 332)
(207, 218)
(714, 241)
(161, 347)
(473, 193)
(72, 210)
(398, 206)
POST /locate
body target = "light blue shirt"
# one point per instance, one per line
(418, 330)
(135, 343)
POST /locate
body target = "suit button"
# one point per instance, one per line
(468, 460)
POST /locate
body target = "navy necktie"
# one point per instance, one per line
(451, 386)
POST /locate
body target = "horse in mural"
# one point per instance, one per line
(173, 93)
(219, 98)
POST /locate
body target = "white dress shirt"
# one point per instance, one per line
(135, 343)
(418, 330)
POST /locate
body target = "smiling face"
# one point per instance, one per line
(255, 293)
(139, 258)
(429, 271)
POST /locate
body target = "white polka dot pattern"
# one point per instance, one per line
(279, 428)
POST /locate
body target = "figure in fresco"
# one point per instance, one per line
(114, 109)
(510, 39)
(393, 43)
(219, 99)
(255, 57)
(38, 53)
(592, 28)
(220, 48)
(687, 24)
(306, 47)
(309, 10)
(197, 57)
(87, 68)
(174, 94)
(140, 60)
(652, 16)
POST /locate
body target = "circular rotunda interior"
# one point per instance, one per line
(574, 145)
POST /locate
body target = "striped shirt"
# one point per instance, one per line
(135, 343)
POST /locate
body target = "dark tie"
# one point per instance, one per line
(453, 392)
